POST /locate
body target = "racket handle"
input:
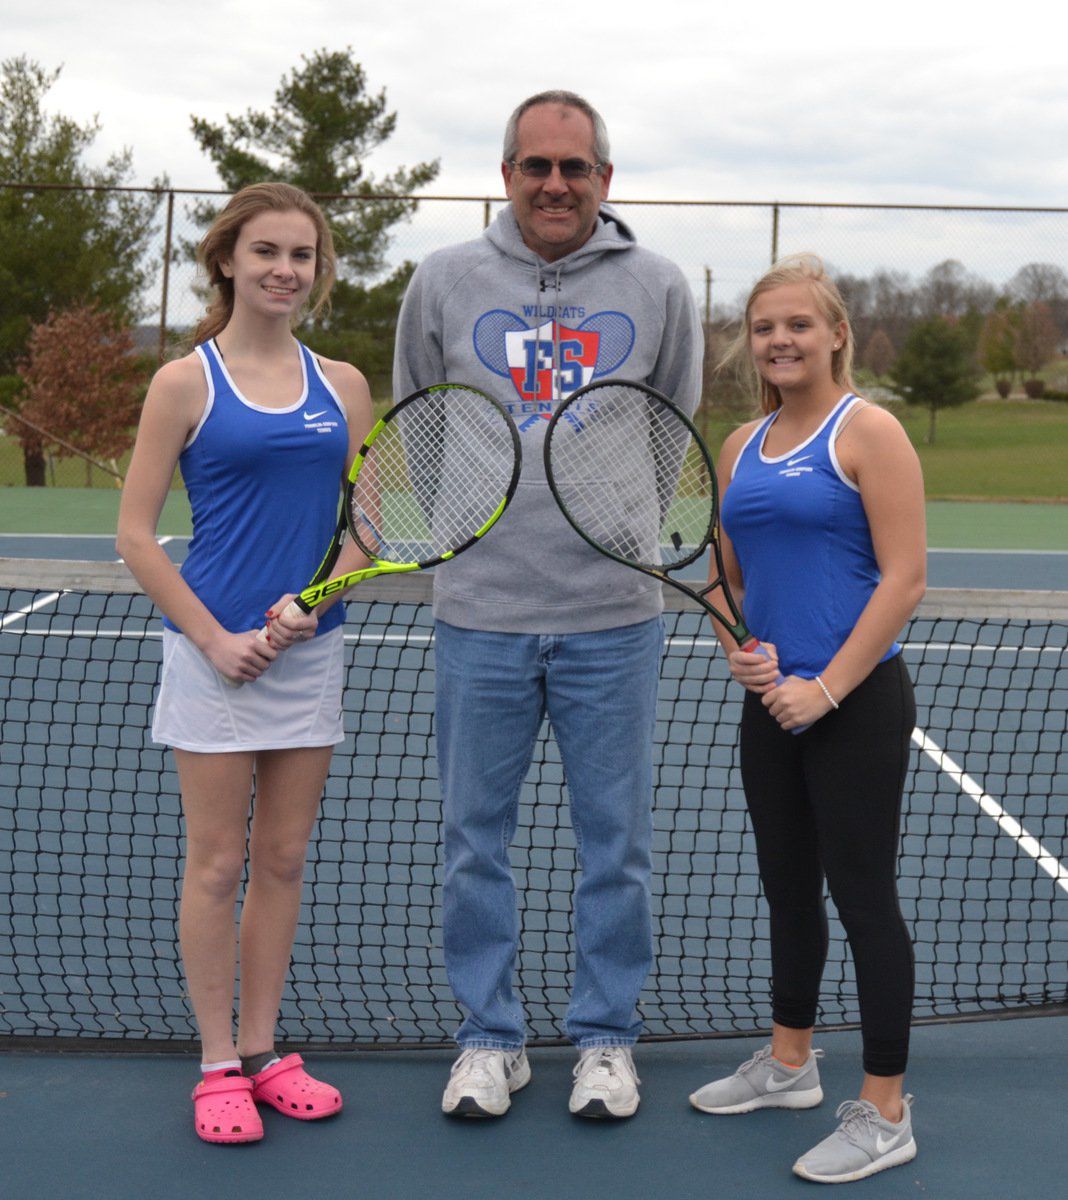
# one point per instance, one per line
(753, 646)
(292, 609)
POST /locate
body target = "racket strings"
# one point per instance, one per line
(630, 477)
(433, 477)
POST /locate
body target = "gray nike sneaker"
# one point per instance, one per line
(864, 1143)
(763, 1082)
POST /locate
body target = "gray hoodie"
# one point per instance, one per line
(493, 314)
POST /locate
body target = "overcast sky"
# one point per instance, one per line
(907, 101)
(914, 101)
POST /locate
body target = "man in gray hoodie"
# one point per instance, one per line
(534, 621)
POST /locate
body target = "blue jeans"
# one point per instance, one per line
(599, 691)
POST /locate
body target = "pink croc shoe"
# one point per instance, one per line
(223, 1110)
(287, 1087)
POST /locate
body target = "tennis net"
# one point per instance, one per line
(91, 837)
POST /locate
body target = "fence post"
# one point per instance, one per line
(774, 232)
(166, 276)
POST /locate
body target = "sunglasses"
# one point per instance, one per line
(535, 167)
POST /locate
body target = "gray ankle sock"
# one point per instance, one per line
(255, 1063)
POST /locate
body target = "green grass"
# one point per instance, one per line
(993, 450)
(987, 450)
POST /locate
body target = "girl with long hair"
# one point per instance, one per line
(823, 518)
(263, 431)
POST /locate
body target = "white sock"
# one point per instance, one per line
(229, 1065)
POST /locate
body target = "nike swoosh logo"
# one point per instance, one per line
(883, 1144)
(791, 461)
(779, 1085)
(312, 416)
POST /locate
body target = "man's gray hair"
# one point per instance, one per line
(601, 150)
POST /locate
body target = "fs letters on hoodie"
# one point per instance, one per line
(493, 314)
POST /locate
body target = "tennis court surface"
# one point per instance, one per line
(90, 848)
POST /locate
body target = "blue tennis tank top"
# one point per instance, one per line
(263, 485)
(803, 542)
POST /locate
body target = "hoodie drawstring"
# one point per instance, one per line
(554, 325)
(556, 337)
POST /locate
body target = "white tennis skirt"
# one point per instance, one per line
(295, 702)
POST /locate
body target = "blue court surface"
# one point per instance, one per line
(989, 1121)
(984, 886)
(947, 568)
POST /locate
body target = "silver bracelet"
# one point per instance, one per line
(823, 688)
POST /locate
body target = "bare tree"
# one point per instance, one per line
(1036, 344)
(1043, 283)
(950, 290)
(879, 353)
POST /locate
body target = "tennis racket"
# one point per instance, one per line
(433, 476)
(633, 477)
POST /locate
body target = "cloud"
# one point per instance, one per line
(911, 105)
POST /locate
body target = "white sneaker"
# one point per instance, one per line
(481, 1082)
(605, 1083)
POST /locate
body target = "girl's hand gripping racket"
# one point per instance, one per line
(431, 478)
(632, 475)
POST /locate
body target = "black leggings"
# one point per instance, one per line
(829, 801)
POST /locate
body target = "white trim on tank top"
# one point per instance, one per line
(260, 407)
(767, 458)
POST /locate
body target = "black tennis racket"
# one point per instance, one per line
(633, 477)
(433, 476)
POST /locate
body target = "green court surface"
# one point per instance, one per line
(80, 511)
(988, 526)
(950, 524)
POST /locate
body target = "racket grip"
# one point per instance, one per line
(753, 646)
(292, 609)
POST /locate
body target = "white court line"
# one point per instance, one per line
(384, 638)
(16, 536)
(975, 647)
(84, 537)
(1006, 550)
(31, 608)
(1006, 823)
(422, 639)
(54, 596)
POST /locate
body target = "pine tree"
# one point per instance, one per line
(319, 134)
(936, 367)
